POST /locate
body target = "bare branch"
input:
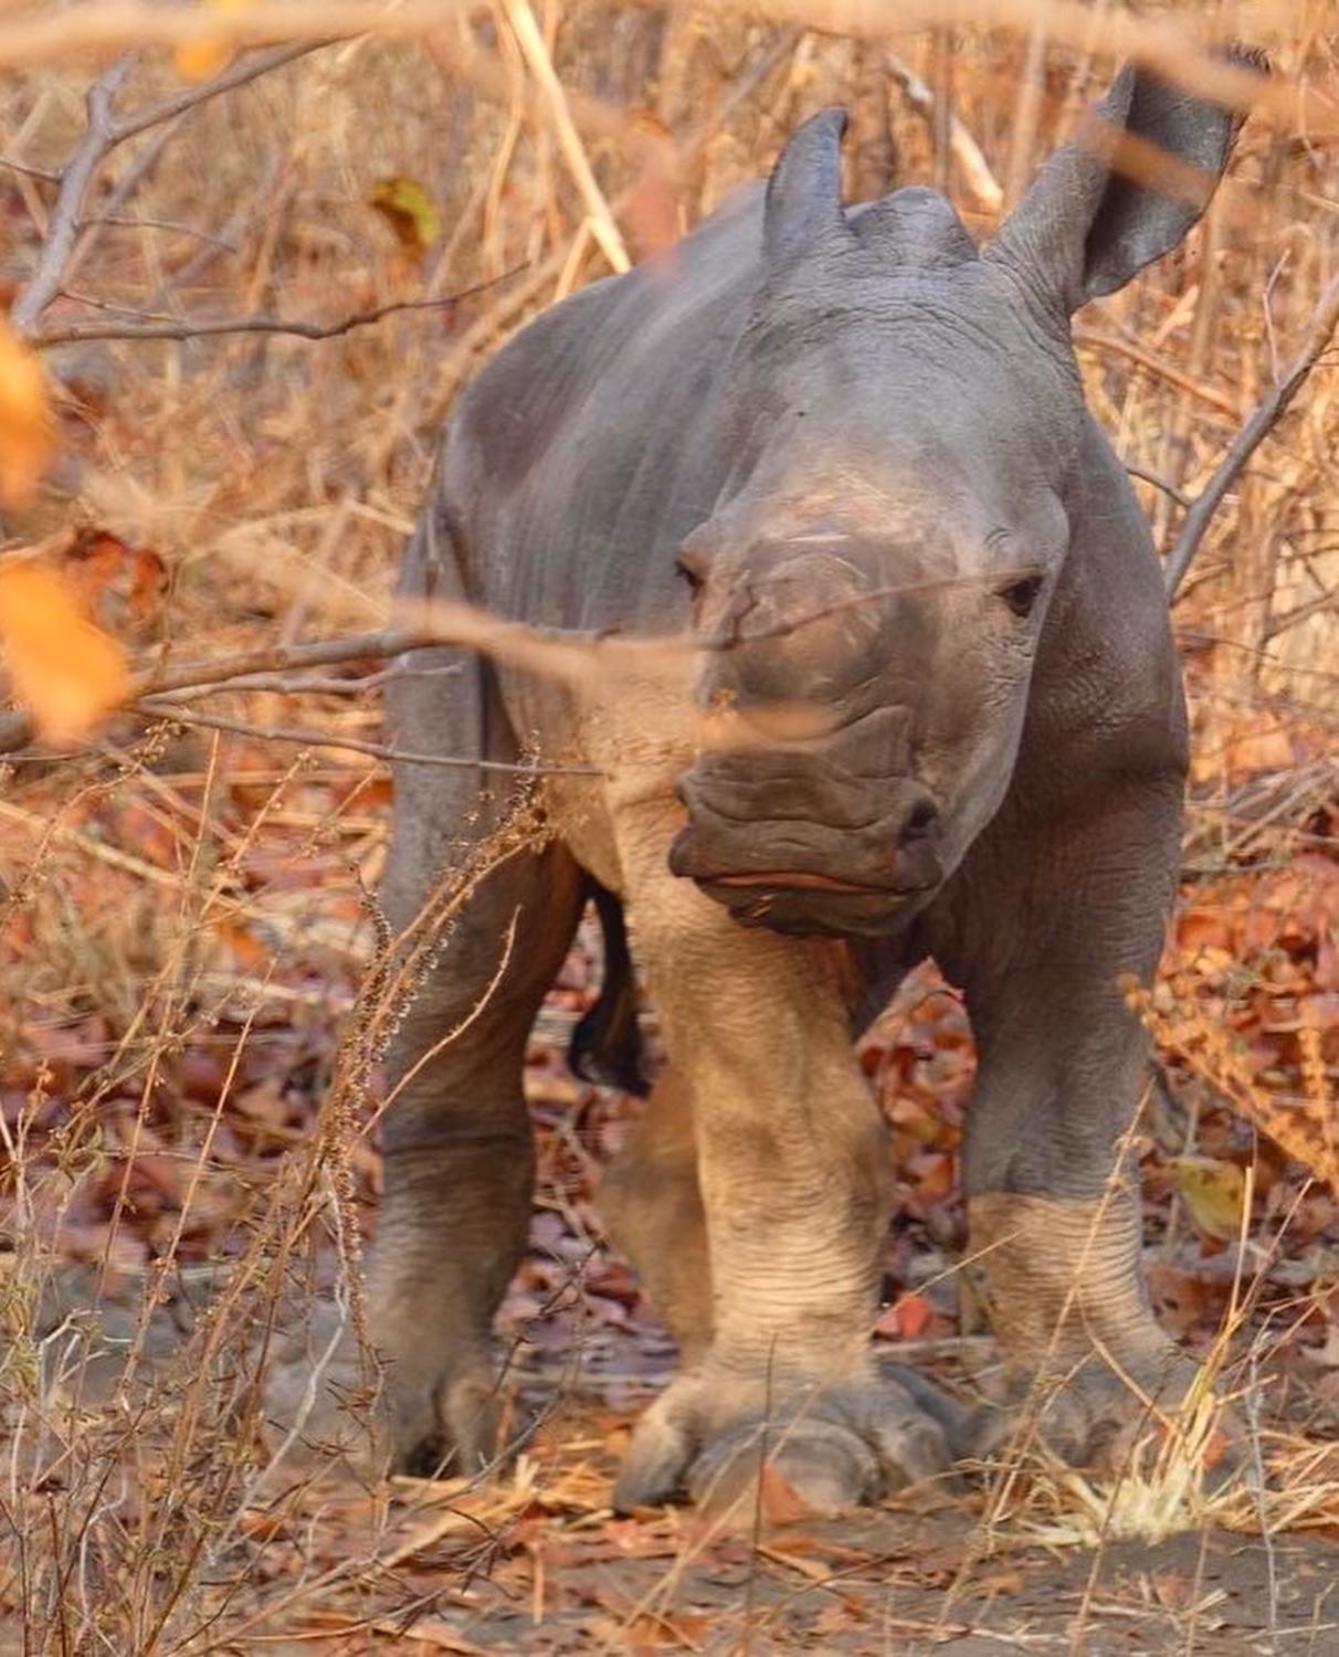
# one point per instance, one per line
(235, 75)
(202, 327)
(104, 133)
(16, 728)
(99, 138)
(288, 684)
(1264, 417)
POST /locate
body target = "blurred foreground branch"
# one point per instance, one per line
(567, 656)
(17, 730)
(1161, 43)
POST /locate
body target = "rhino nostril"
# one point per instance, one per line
(921, 819)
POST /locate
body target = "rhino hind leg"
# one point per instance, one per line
(651, 1203)
(606, 1045)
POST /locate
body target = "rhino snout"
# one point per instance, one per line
(803, 848)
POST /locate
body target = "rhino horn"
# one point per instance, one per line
(804, 194)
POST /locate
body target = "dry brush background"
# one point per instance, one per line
(193, 976)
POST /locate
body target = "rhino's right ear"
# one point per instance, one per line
(803, 209)
(1125, 192)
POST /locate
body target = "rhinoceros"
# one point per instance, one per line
(850, 449)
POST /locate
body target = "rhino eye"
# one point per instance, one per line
(1021, 596)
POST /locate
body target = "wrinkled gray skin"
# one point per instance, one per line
(851, 438)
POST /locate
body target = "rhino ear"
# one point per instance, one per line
(1136, 178)
(803, 209)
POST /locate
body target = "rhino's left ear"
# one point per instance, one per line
(1126, 191)
(803, 210)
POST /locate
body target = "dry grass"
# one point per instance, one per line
(194, 981)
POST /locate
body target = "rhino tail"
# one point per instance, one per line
(606, 1045)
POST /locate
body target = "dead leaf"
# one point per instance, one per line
(27, 433)
(1183, 1300)
(907, 1320)
(430, 1631)
(62, 668)
(409, 210)
(122, 587)
(1214, 1193)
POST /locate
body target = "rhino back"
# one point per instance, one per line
(591, 444)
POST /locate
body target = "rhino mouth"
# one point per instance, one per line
(815, 906)
(795, 880)
(804, 902)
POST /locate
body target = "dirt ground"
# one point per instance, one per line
(535, 1561)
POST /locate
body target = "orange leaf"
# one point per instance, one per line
(197, 60)
(66, 672)
(26, 430)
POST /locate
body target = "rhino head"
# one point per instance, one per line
(909, 445)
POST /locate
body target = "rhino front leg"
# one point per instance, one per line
(792, 1167)
(459, 1159)
(1048, 931)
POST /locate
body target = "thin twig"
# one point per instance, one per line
(958, 142)
(46, 174)
(310, 738)
(235, 75)
(1166, 485)
(1156, 365)
(187, 328)
(122, 221)
(1265, 416)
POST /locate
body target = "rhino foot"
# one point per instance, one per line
(331, 1406)
(830, 1446)
(324, 1406)
(1112, 1418)
(1088, 1371)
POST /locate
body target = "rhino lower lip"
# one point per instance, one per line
(792, 880)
